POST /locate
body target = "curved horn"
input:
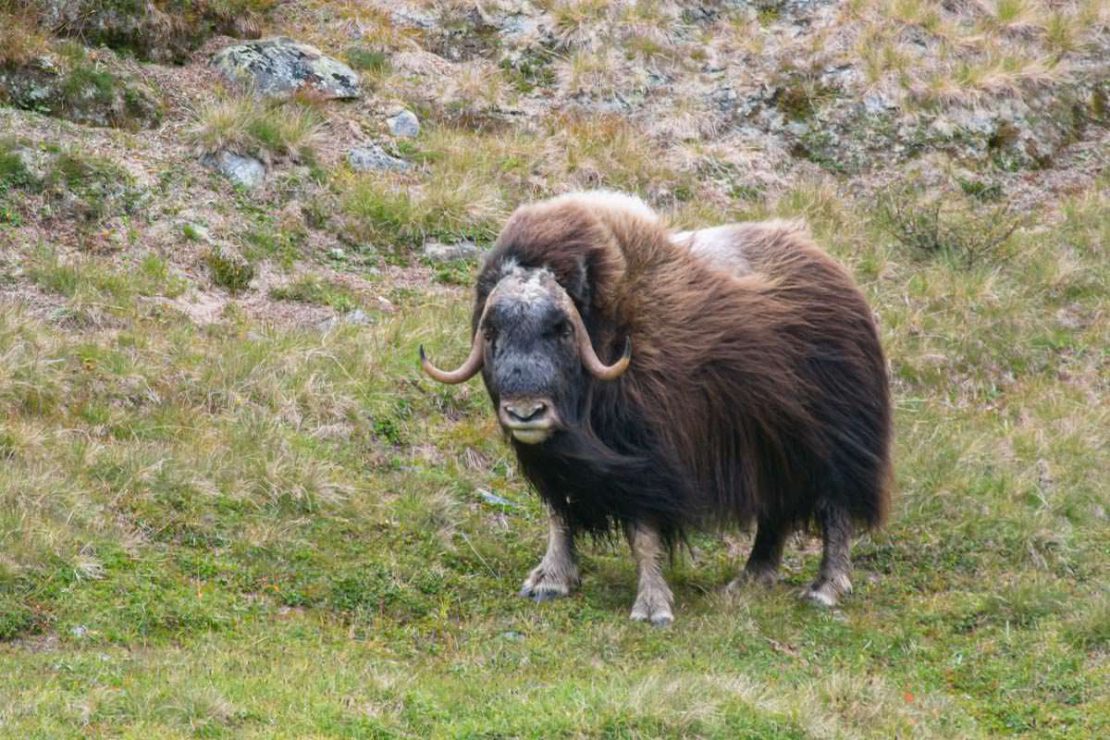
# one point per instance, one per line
(593, 363)
(471, 365)
(466, 371)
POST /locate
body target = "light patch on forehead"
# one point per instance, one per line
(527, 285)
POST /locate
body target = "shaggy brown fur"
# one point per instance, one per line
(767, 391)
(756, 391)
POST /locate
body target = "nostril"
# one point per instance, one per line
(526, 412)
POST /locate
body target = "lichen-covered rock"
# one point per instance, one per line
(81, 91)
(279, 66)
(404, 124)
(374, 158)
(245, 171)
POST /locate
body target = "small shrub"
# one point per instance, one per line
(285, 130)
(92, 94)
(946, 224)
(229, 268)
(800, 94)
(63, 81)
(985, 191)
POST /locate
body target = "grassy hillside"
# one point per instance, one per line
(231, 505)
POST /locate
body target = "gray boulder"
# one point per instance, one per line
(279, 66)
(245, 171)
(439, 252)
(374, 158)
(404, 124)
(358, 317)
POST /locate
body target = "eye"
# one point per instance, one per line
(560, 329)
(489, 332)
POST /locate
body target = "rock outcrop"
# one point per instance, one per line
(280, 66)
(80, 90)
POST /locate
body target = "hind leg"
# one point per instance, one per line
(832, 580)
(762, 567)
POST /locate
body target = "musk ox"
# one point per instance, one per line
(660, 382)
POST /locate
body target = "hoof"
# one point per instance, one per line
(819, 597)
(827, 593)
(760, 578)
(540, 595)
(658, 619)
(541, 586)
(653, 607)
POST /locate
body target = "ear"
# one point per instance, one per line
(576, 282)
(487, 280)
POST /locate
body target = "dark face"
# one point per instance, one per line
(532, 367)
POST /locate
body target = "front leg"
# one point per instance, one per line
(653, 596)
(557, 573)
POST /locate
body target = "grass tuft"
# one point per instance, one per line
(229, 268)
(272, 129)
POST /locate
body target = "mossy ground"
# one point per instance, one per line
(244, 530)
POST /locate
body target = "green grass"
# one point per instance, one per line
(62, 80)
(243, 530)
(467, 181)
(311, 289)
(87, 280)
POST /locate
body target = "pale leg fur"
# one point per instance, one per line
(653, 597)
(557, 573)
(832, 580)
